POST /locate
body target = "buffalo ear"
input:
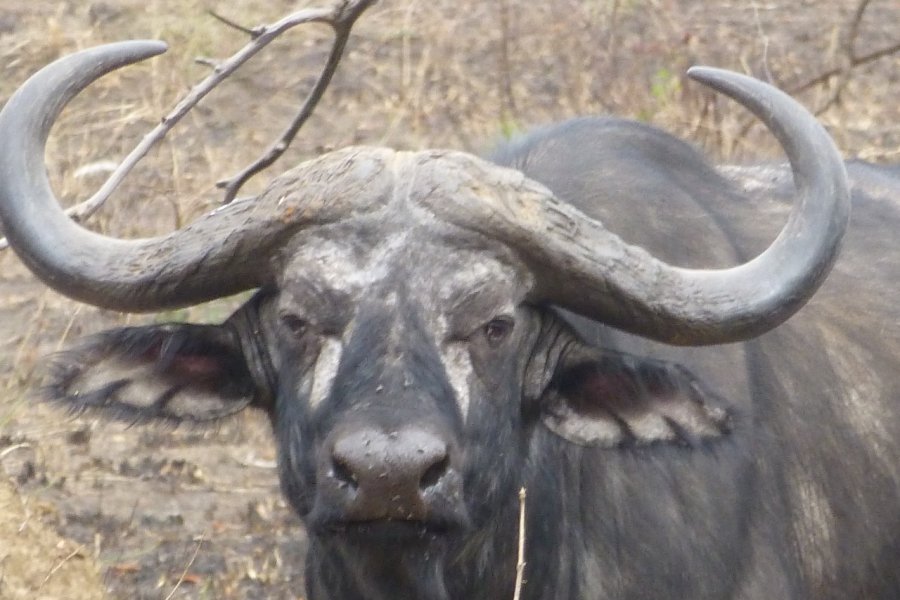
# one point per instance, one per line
(607, 399)
(174, 372)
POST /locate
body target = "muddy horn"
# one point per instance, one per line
(584, 267)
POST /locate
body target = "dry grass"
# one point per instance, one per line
(34, 563)
(418, 73)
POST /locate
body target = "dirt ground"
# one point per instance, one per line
(90, 509)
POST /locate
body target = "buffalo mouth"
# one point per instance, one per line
(387, 531)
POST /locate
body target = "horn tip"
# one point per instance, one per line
(704, 74)
(144, 48)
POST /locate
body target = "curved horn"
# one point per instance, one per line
(224, 252)
(583, 267)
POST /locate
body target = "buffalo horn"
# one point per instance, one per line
(583, 267)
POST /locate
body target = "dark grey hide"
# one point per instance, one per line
(768, 469)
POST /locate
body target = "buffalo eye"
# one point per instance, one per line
(294, 324)
(497, 330)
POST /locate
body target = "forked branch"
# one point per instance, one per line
(341, 17)
(342, 23)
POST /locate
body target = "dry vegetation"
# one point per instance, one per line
(197, 513)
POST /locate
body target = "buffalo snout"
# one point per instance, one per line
(369, 474)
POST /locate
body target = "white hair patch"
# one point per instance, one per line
(325, 371)
(458, 366)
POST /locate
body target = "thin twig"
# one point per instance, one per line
(341, 17)
(341, 22)
(207, 62)
(13, 448)
(65, 334)
(854, 26)
(252, 32)
(187, 568)
(612, 39)
(520, 563)
(765, 41)
(508, 108)
(59, 566)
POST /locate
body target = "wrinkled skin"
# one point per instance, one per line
(759, 470)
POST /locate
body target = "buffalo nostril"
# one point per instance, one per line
(342, 472)
(388, 474)
(435, 472)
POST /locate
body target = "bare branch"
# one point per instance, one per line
(856, 62)
(341, 17)
(849, 61)
(342, 22)
(843, 75)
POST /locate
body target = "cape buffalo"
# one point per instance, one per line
(433, 331)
